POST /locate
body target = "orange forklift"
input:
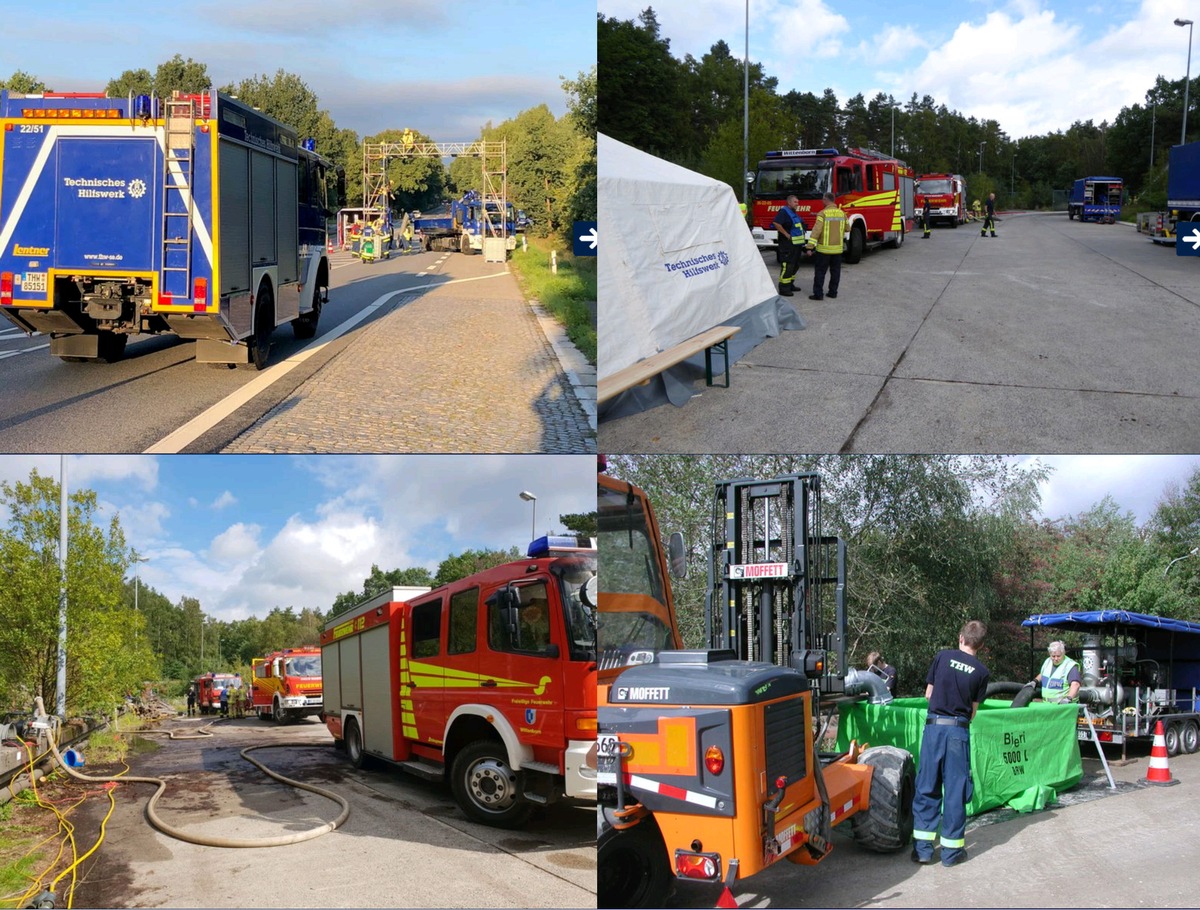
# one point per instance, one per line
(709, 761)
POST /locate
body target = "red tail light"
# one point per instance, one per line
(200, 294)
(714, 760)
(6, 286)
(703, 866)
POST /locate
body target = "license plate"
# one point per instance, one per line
(607, 745)
(34, 282)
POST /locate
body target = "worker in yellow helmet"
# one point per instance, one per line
(827, 239)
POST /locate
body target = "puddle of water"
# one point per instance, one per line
(140, 745)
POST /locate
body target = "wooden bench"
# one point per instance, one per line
(716, 338)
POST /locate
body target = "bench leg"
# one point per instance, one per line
(723, 348)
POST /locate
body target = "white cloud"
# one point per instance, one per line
(1135, 482)
(236, 547)
(223, 501)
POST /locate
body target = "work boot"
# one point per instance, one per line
(918, 858)
(785, 290)
(953, 857)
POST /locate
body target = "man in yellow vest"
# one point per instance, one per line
(827, 238)
(1060, 677)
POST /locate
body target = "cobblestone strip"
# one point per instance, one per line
(438, 373)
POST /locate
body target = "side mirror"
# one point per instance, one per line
(677, 555)
(588, 592)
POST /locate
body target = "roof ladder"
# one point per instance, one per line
(177, 201)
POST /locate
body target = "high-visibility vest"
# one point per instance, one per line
(797, 225)
(829, 230)
(1054, 679)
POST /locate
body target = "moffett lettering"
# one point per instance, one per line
(643, 693)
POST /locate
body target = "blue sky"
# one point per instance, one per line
(246, 533)
(444, 69)
(1035, 66)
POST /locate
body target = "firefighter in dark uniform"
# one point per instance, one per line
(926, 215)
(989, 220)
(954, 687)
(791, 243)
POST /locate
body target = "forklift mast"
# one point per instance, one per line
(776, 585)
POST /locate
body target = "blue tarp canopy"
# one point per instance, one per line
(1100, 618)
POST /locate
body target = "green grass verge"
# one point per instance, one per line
(569, 295)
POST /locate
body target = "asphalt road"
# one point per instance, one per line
(1133, 848)
(52, 406)
(1056, 336)
(405, 843)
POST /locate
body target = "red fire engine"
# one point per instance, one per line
(287, 685)
(947, 195)
(209, 688)
(491, 678)
(874, 190)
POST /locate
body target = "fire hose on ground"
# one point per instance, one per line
(204, 840)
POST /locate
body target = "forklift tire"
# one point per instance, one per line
(632, 867)
(887, 825)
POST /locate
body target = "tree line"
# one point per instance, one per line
(551, 161)
(690, 111)
(122, 633)
(935, 540)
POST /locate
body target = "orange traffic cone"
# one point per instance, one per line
(1158, 773)
(727, 900)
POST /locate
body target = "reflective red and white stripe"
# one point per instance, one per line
(654, 786)
(838, 812)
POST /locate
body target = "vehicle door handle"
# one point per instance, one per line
(488, 684)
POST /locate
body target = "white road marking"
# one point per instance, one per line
(40, 347)
(205, 421)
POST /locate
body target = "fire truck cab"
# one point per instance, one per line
(287, 685)
(874, 190)
(947, 195)
(491, 679)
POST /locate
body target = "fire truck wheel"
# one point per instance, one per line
(632, 867)
(354, 744)
(887, 826)
(858, 242)
(486, 787)
(264, 324)
(1189, 737)
(277, 713)
(1171, 737)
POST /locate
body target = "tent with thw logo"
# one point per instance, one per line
(677, 259)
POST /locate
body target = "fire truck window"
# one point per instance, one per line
(427, 629)
(464, 617)
(533, 624)
(889, 181)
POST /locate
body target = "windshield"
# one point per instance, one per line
(304, 665)
(934, 187)
(807, 181)
(573, 573)
(638, 615)
(222, 682)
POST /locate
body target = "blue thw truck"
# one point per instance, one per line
(194, 215)
(1183, 195)
(460, 225)
(1096, 199)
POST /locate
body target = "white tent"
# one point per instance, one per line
(676, 258)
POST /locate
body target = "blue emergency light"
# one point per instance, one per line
(142, 107)
(310, 144)
(547, 545)
(795, 153)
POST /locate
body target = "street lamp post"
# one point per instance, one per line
(529, 497)
(137, 579)
(1191, 552)
(1186, 79)
(981, 145)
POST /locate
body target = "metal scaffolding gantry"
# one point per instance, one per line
(493, 157)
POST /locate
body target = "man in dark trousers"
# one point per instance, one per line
(191, 700)
(955, 686)
(790, 238)
(989, 220)
(827, 238)
(926, 214)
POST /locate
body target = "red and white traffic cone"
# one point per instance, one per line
(1158, 773)
(727, 901)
